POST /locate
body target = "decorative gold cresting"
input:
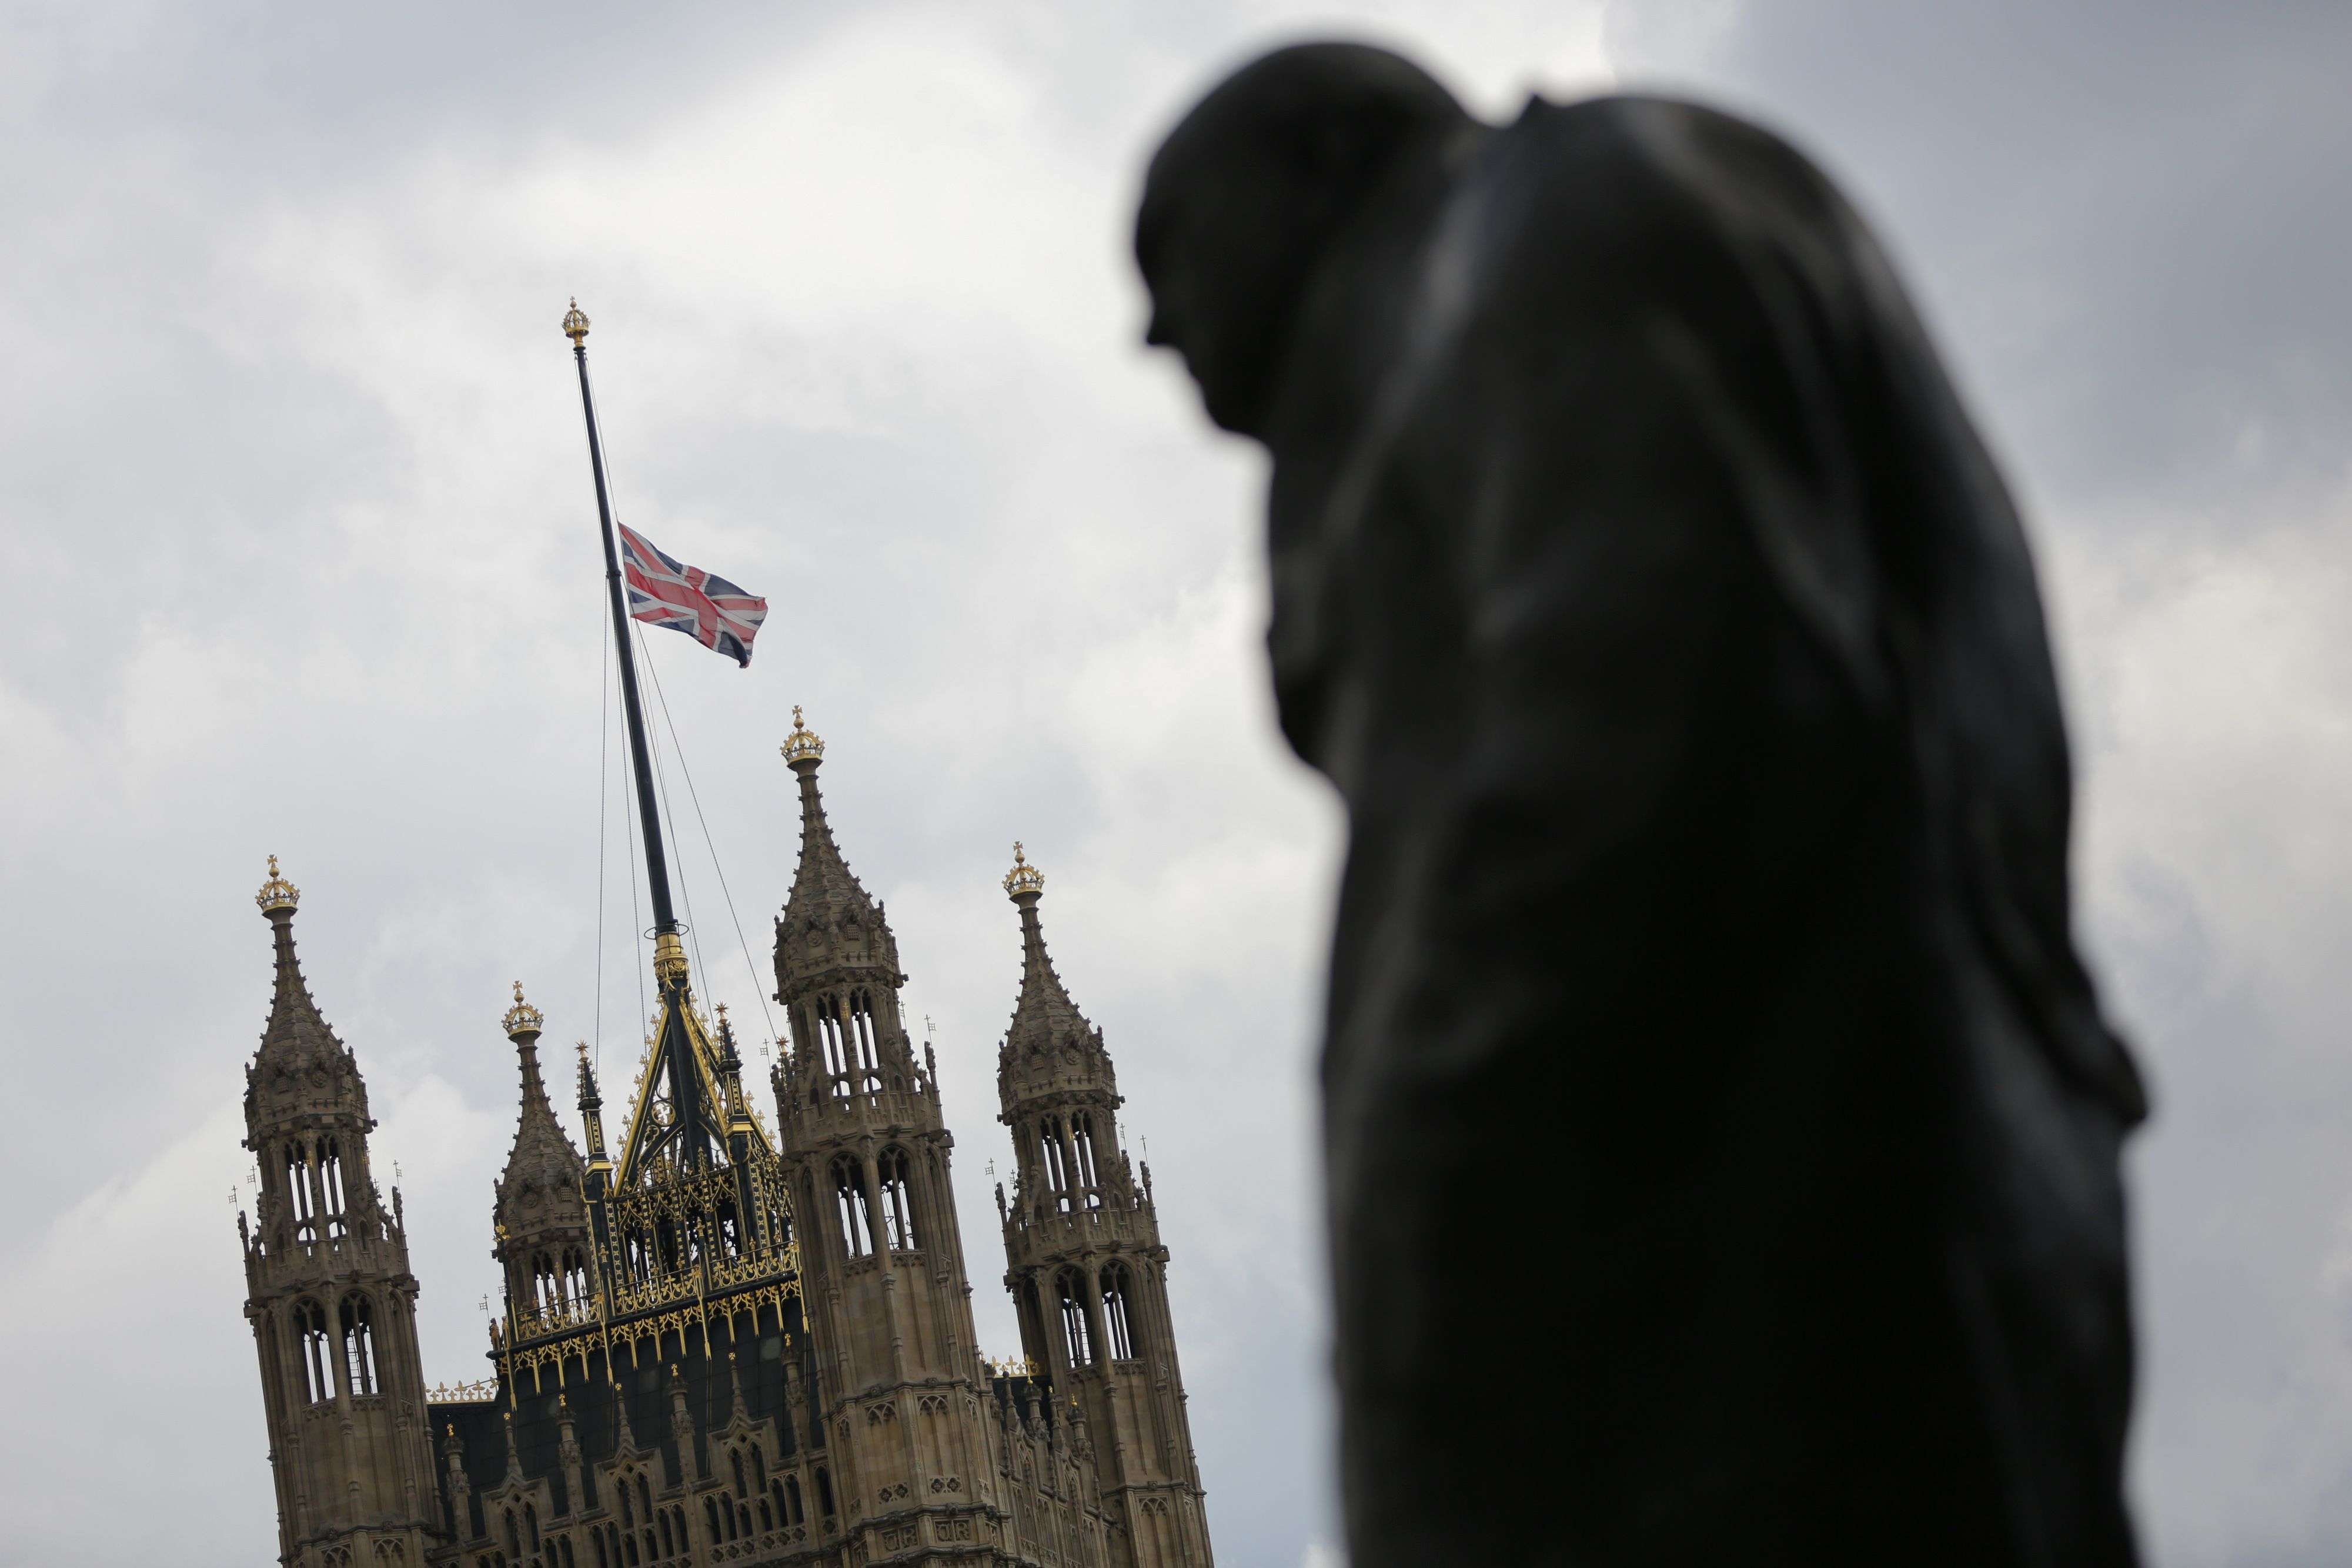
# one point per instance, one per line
(576, 323)
(669, 958)
(523, 1019)
(1023, 877)
(277, 892)
(801, 744)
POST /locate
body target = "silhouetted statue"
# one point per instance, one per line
(1722, 1132)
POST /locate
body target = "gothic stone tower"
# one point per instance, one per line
(541, 1217)
(884, 1285)
(1085, 1266)
(329, 1295)
(719, 1350)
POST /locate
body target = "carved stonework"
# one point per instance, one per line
(759, 1353)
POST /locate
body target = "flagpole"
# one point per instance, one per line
(670, 953)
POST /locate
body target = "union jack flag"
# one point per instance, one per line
(704, 605)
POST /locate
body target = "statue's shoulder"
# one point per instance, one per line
(1630, 172)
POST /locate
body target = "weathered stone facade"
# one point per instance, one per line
(762, 1353)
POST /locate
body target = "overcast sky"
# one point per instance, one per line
(302, 561)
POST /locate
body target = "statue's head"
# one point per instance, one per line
(1245, 196)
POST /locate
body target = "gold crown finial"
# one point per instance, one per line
(277, 892)
(1023, 878)
(522, 1020)
(576, 323)
(801, 744)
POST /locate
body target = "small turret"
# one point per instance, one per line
(1087, 1269)
(1054, 1080)
(329, 1291)
(881, 1253)
(831, 926)
(539, 1220)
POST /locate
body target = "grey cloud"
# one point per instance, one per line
(292, 480)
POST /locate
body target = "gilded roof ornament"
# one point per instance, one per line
(277, 892)
(1023, 877)
(801, 744)
(523, 1019)
(576, 323)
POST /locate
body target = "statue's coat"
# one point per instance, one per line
(1722, 1131)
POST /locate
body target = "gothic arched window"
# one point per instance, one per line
(835, 1045)
(1058, 1169)
(359, 1344)
(861, 1025)
(1082, 1145)
(310, 1337)
(575, 1275)
(330, 1185)
(1077, 1331)
(897, 1200)
(1116, 1326)
(855, 1206)
(303, 1202)
(824, 1491)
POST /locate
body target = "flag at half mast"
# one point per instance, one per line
(704, 605)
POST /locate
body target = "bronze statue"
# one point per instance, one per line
(1721, 1128)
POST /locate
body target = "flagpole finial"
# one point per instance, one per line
(576, 323)
(801, 744)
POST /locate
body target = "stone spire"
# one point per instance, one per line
(296, 1037)
(830, 923)
(539, 1218)
(542, 1156)
(823, 881)
(302, 1078)
(1049, 1045)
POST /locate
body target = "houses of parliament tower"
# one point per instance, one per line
(720, 1344)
